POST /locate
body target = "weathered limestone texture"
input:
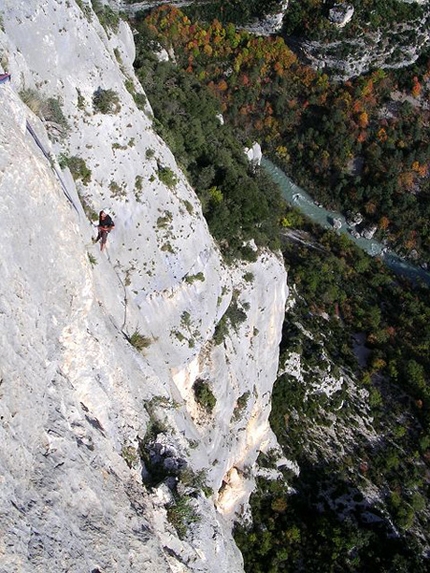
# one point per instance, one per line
(76, 398)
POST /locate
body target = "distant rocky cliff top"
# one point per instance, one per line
(347, 40)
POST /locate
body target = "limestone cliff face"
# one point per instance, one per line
(76, 398)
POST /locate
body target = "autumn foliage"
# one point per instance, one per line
(326, 127)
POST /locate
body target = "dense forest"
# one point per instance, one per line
(362, 145)
(239, 203)
(240, 12)
(360, 501)
(310, 18)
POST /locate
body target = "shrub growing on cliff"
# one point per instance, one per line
(241, 404)
(204, 396)
(86, 10)
(92, 259)
(107, 17)
(78, 167)
(233, 317)
(190, 279)
(130, 455)
(166, 176)
(106, 101)
(48, 109)
(139, 341)
(181, 515)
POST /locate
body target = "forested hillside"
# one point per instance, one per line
(239, 203)
(360, 145)
(351, 409)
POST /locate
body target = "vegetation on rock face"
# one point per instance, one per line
(108, 18)
(106, 101)
(233, 317)
(163, 463)
(139, 341)
(181, 514)
(167, 176)
(204, 395)
(78, 167)
(49, 109)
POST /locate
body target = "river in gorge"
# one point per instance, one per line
(297, 197)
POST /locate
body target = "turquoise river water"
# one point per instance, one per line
(296, 196)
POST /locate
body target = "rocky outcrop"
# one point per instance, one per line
(341, 14)
(271, 23)
(254, 154)
(78, 401)
(395, 45)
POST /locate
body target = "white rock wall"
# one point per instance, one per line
(73, 389)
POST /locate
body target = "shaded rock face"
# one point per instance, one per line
(74, 393)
